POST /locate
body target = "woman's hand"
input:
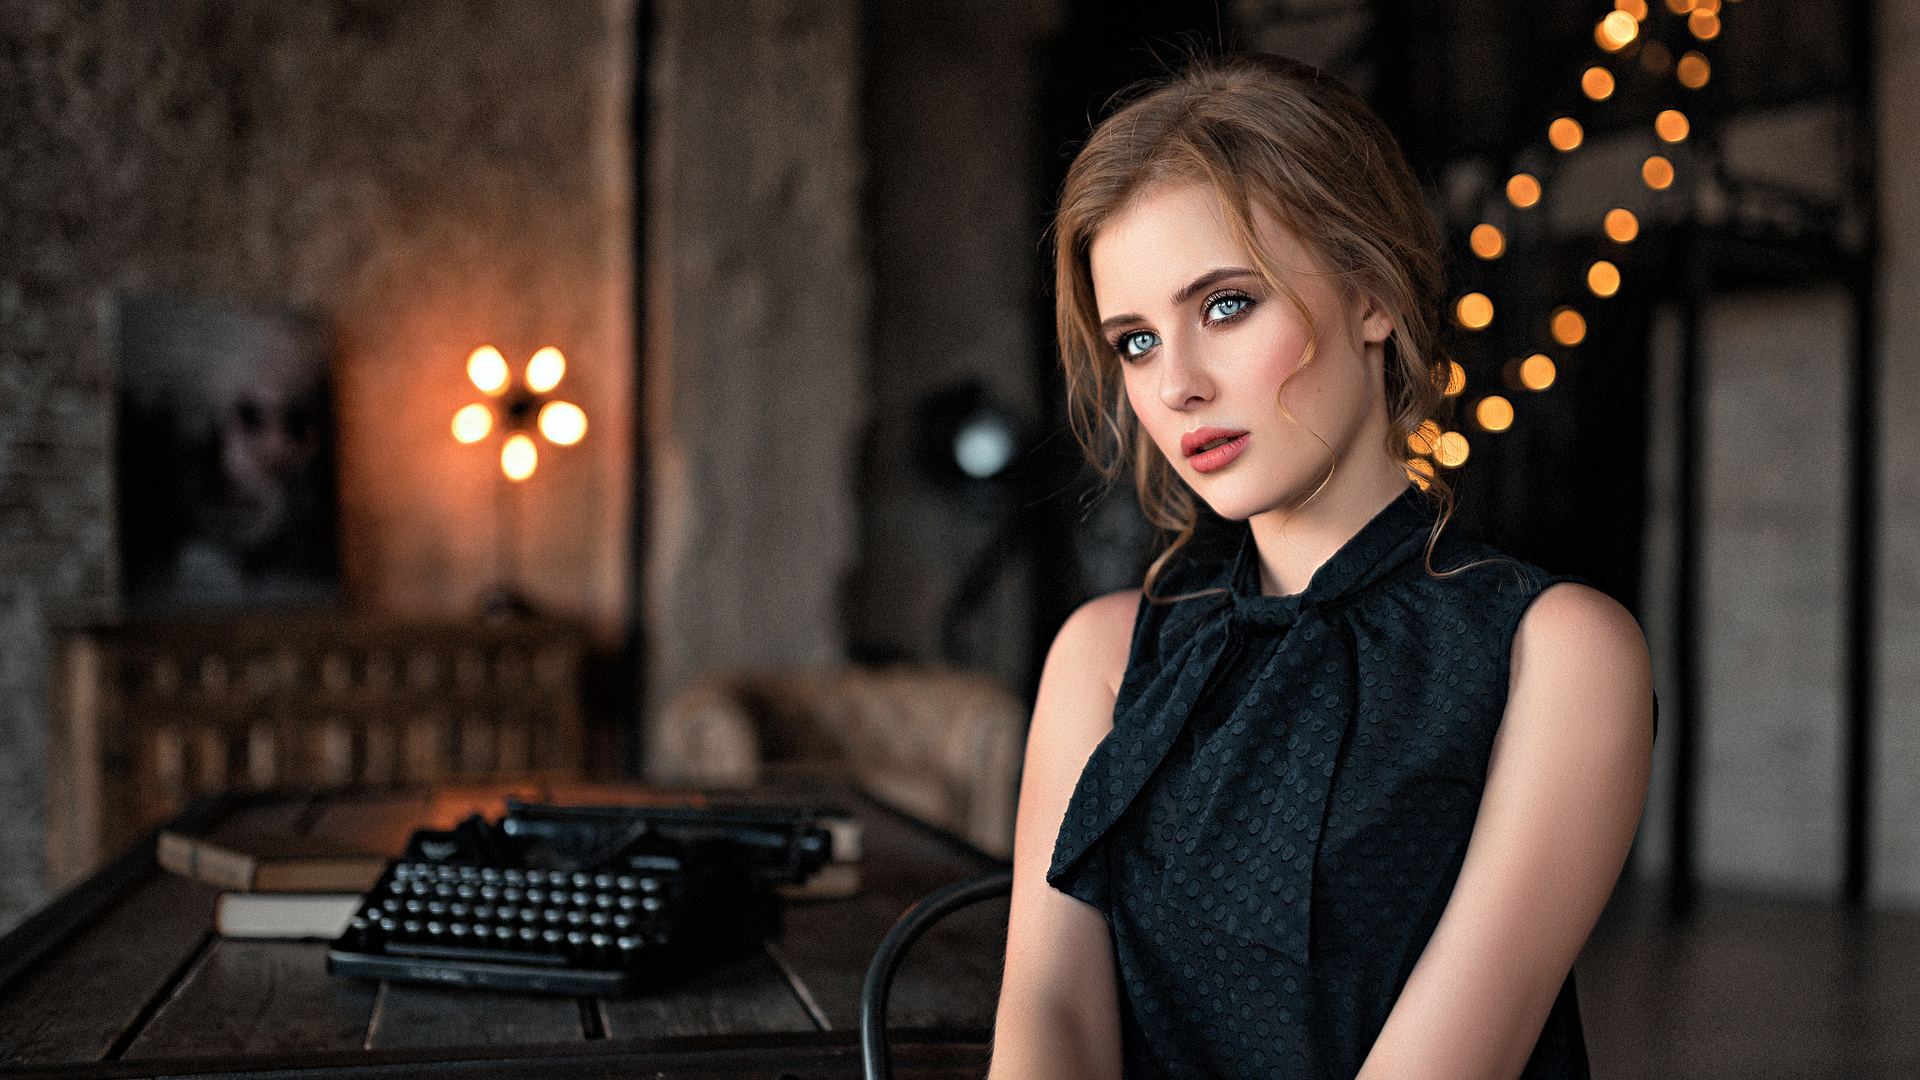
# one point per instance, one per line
(1565, 785)
(1059, 999)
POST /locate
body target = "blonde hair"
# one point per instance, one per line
(1268, 134)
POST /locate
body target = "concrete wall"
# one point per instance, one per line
(756, 334)
(426, 176)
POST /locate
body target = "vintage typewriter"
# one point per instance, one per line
(600, 901)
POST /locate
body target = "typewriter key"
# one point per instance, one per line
(514, 877)
(551, 937)
(603, 881)
(458, 930)
(436, 929)
(602, 940)
(412, 926)
(575, 937)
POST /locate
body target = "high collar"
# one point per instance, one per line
(1397, 533)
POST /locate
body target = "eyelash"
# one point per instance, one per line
(1119, 343)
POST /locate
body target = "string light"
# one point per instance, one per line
(1597, 83)
(1704, 25)
(1621, 225)
(1603, 278)
(1565, 134)
(1655, 59)
(1537, 372)
(1635, 8)
(1616, 31)
(472, 423)
(1456, 379)
(487, 369)
(1523, 190)
(1422, 439)
(1693, 71)
(1671, 125)
(1657, 172)
(1451, 449)
(1494, 413)
(1679, 7)
(1487, 241)
(1475, 311)
(1569, 327)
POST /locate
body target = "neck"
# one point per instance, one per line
(1294, 543)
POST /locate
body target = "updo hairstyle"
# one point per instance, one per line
(1268, 133)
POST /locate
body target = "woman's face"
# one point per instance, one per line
(1205, 349)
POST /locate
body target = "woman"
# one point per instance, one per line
(1351, 803)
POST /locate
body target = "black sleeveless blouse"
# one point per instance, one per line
(1277, 819)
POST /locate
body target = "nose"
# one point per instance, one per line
(1184, 383)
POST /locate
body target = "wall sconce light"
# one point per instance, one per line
(523, 406)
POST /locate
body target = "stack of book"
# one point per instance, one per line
(278, 885)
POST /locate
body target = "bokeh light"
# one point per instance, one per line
(1475, 311)
(1679, 7)
(562, 422)
(1523, 190)
(1603, 278)
(1657, 172)
(472, 423)
(1616, 31)
(1537, 372)
(1569, 326)
(1456, 379)
(1494, 413)
(1421, 440)
(519, 457)
(1694, 71)
(488, 369)
(1565, 133)
(1621, 225)
(1671, 125)
(1487, 241)
(545, 370)
(1635, 8)
(1597, 83)
(1451, 449)
(1704, 25)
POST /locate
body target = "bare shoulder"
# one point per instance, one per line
(1092, 646)
(1580, 654)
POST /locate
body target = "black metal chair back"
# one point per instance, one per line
(874, 1061)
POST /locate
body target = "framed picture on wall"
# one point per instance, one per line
(225, 464)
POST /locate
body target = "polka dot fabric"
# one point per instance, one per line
(1277, 818)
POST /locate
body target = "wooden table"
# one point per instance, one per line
(123, 976)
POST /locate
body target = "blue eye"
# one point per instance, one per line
(1135, 343)
(1226, 306)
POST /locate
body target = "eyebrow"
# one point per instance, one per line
(1204, 281)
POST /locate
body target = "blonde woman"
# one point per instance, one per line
(1350, 803)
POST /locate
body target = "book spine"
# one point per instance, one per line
(204, 862)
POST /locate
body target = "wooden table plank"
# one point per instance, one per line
(749, 996)
(407, 1015)
(79, 1001)
(259, 997)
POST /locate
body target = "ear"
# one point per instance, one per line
(1376, 321)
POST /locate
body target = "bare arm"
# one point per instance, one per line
(1565, 784)
(1059, 1000)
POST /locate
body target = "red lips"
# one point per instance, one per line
(1211, 448)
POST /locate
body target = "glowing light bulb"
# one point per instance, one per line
(488, 369)
(1456, 379)
(1621, 225)
(1569, 327)
(545, 370)
(1671, 125)
(1694, 71)
(1603, 278)
(519, 457)
(1523, 190)
(1679, 7)
(1597, 83)
(1565, 134)
(1475, 310)
(1451, 449)
(1704, 25)
(1487, 241)
(1657, 172)
(1537, 372)
(1635, 8)
(472, 423)
(1616, 31)
(1494, 413)
(562, 422)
